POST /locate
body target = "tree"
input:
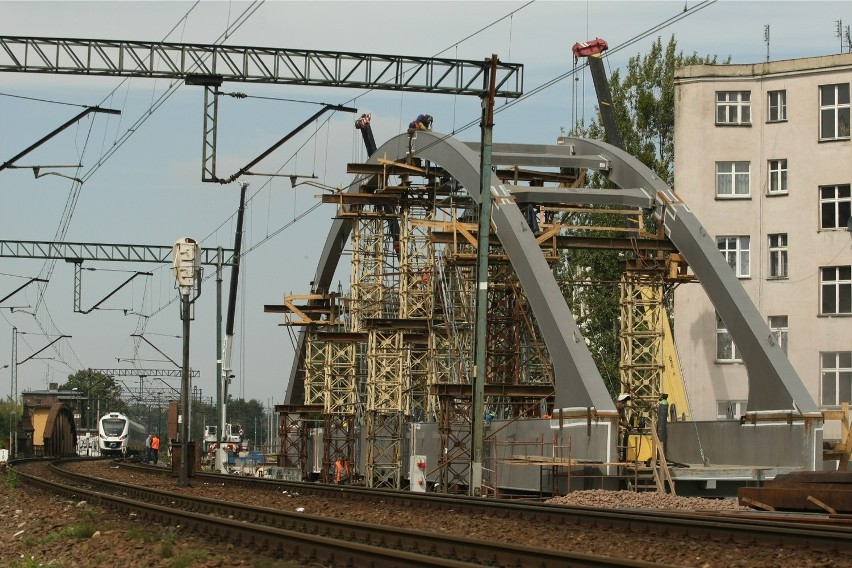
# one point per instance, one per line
(248, 414)
(101, 392)
(7, 407)
(643, 104)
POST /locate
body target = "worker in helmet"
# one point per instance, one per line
(662, 419)
(422, 122)
(622, 404)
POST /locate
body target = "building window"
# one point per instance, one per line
(835, 204)
(836, 370)
(733, 107)
(732, 179)
(778, 255)
(777, 177)
(778, 327)
(730, 409)
(726, 349)
(836, 290)
(777, 106)
(834, 111)
(736, 253)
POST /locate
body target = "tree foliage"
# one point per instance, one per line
(101, 392)
(7, 409)
(250, 415)
(643, 104)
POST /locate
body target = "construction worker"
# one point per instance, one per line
(422, 122)
(341, 470)
(622, 404)
(662, 419)
(155, 448)
(148, 448)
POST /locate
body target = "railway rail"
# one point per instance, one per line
(821, 532)
(304, 537)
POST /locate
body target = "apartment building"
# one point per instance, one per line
(763, 157)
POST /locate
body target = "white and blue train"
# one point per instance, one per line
(118, 435)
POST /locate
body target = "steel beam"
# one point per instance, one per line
(144, 372)
(585, 196)
(78, 252)
(116, 58)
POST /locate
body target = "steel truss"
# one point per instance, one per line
(197, 62)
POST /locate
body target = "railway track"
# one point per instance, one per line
(307, 538)
(815, 532)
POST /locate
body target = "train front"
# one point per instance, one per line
(112, 434)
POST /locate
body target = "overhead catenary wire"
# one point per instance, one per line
(76, 186)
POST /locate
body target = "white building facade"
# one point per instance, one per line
(763, 157)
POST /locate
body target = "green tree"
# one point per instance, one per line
(643, 104)
(6, 409)
(100, 392)
(248, 414)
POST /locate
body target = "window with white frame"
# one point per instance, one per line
(836, 372)
(736, 253)
(780, 331)
(732, 179)
(778, 255)
(777, 177)
(835, 290)
(777, 106)
(733, 107)
(834, 112)
(726, 349)
(730, 409)
(835, 205)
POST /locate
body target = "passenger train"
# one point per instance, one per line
(118, 435)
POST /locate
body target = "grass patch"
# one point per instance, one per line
(167, 540)
(186, 559)
(11, 479)
(144, 536)
(83, 530)
(166, 549)
(25, 563)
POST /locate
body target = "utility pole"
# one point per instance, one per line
(186, 265)
(220, 426)
(13, 395)
(481, 347)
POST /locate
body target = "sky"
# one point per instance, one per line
(148, 190)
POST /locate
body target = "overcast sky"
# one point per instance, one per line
(149, 190)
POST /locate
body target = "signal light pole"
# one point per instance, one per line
(187, 267)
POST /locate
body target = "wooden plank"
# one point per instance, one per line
(796, 499)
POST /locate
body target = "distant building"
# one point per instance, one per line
(763, 157)
(39, 407)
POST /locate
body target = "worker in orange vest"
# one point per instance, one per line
(341, 470)
(155, 448)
